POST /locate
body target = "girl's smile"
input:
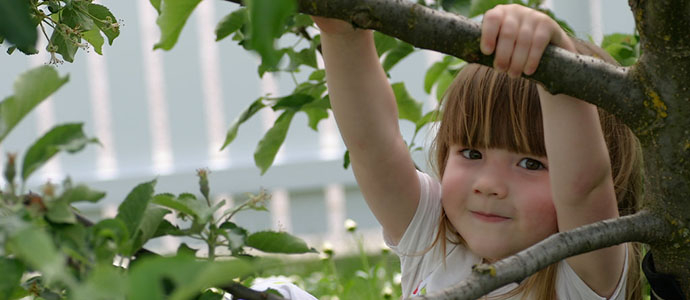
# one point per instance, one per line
(489, 217)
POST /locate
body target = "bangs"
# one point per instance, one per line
(488, 109)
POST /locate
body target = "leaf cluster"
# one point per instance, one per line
(67, 25)
(48, 250)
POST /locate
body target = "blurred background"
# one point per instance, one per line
(165, 114)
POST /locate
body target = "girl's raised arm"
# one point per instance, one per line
(366, 112)
(578, 159)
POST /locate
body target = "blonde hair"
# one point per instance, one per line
(487, 109)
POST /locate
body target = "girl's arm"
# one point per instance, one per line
(578, 159)
(366, 113)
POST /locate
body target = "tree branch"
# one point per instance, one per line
(640, 227)
(610, 87)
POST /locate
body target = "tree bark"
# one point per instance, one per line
(664, 72)
(652, 97)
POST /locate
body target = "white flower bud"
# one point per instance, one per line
(350, 225)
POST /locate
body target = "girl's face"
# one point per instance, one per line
(499, 201)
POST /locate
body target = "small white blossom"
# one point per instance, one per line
(397, 278)
(387, 291)
(350, 225)
(328, 249)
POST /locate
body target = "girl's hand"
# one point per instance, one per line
(519, 35)
(333, 26)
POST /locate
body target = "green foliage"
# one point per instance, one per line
(625, 48)
(267, 19)
(277, 242)
(270, 144)
(173, 14)
(30, 89)
(17, 26)
(231, 23)
(64, 23)
(42, 235)
(182, 276)
(66, 137)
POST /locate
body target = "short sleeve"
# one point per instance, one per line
(571, 286)
(422, 229)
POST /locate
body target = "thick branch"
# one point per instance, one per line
(592, 80)
(641, 227)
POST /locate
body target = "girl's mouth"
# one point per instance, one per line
(488, 217)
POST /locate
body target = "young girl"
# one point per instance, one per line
(499, 191)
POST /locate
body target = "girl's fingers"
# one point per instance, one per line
(522, 48)
(540, 40)
(491, 23)
(506, 42)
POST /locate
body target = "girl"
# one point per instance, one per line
(499, 192)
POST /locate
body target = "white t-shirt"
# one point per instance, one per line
(424, 272)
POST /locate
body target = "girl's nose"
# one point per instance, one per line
(490, 185)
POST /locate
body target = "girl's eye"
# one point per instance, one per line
(471, 154)
(531, 164)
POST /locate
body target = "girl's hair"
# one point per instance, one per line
(487, 109)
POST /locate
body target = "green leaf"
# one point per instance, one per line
(408, 108)
(244, 116)
(61, 212)
(268, 146)
(185, 203)
(157, 5)
(278, 242)
(184, 273)
(12, 271)
(396, 55)
(317, 111)
(72, 17)
(444, 81)
(174, 14)
(210, 295)
(460, 7)
(429, 117)
(34, 247)
(104, 282)
(81, 193)
(65, 137)
(105, 21)
(306, 56)
(109, 237)
(131, 211)
(432, 75)
(383, 43)
(183, 249)
(318, 75)
(267, 18)
(294, 101)
(231, 23)
(16, 24)
(618, 38)
(94, 38)
(152, 218)
(346, 159)
(235, 235)
(479, 7)
(30, 89)
(66, 47)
